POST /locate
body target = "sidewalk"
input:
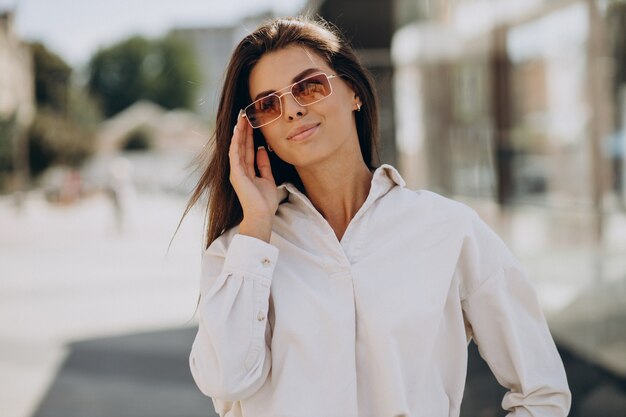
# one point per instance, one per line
(136, 375)
(67, 276)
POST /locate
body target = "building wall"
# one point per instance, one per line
(519, 90)
(17, 107)
(213, 47)
(368, 25)
(16, 74)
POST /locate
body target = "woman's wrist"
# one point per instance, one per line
(260, 228)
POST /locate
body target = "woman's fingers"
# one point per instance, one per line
(263, 162)
(235, 151)
(249, 147)
(240, 139)
(242, 154)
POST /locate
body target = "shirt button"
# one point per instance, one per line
(266, 262)
(260, 316)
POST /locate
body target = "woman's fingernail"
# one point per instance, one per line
(234, 129)
(260, 147)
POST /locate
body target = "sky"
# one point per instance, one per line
(75, 29)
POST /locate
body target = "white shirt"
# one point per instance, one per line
(374, 325)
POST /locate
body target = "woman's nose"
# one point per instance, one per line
(291, 108)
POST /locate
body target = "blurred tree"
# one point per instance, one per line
(63, 131)
(115, 74)
(83, 109)
(164, 71)
(8, 128)
(55, 140)
(176, 82)
(52, 78)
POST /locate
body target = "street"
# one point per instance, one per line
(87, 310)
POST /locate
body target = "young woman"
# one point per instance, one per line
(328, 288)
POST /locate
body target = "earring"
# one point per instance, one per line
(269, 148)
(358, 107)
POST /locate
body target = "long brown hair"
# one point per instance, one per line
(223, 208)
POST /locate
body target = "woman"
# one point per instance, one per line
(328, 288)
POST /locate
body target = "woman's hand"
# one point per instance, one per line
(258, 195)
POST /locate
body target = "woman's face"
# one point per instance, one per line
(329, 125)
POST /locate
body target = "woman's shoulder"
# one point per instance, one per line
(430, 203)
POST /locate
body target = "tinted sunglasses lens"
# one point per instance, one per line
(263, 111)
(312, 89)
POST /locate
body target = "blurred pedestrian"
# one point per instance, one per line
(121, 192)
(328, 287)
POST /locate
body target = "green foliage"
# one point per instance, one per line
(175, 85)
(115, 74)
(55, 139)
(164, 71)
(52, 78)
(64, 138)
(63, 129)
(8, 130)
(83, 110)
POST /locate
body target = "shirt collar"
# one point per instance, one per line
(385, 178)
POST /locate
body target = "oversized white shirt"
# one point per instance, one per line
(374, 325)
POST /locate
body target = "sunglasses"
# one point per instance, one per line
(307, 91)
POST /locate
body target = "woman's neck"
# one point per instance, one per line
(337, 187)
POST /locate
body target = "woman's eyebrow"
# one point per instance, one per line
(295, 79)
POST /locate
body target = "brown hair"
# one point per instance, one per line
(223, 208)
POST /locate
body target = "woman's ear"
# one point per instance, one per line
(357, 103)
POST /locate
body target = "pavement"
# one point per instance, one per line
(72, 286)
(95, 322)
(135, 375)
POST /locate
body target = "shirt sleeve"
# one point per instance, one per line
(230, 356)
(511, 331)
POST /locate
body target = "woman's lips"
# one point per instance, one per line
(304, 134)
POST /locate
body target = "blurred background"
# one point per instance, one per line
(515, 107)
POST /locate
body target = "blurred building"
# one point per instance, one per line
(213, 46)
(518, 108)
(490, 92)
(369, 26)
(158, 146)
(17, 96)
(16, 73)
(168, 131)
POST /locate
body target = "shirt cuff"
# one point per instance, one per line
(251, 255)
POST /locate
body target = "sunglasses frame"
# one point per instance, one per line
(279, 96)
